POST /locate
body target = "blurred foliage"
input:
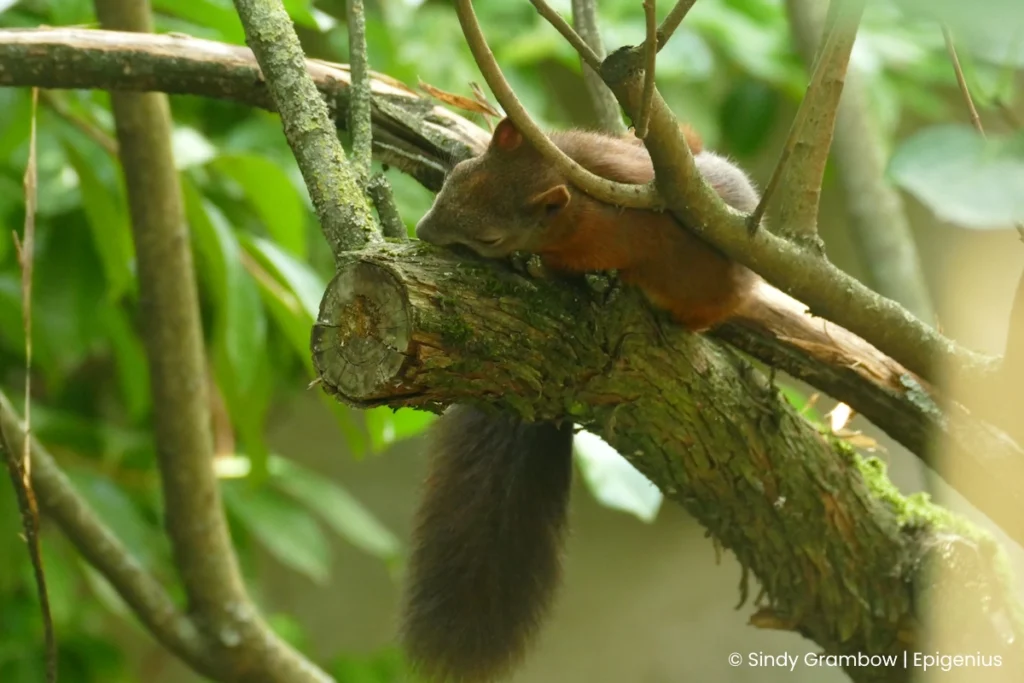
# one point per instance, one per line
(731, 70)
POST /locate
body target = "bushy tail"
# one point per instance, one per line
(487, 544)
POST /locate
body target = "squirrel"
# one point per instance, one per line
(487, 537)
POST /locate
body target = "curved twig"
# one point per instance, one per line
(617, 194)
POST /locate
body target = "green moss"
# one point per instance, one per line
(916, 510)
(577, 409)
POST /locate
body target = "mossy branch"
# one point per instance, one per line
(836, 548)
(422, 139)
(333, 183)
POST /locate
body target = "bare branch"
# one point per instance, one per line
(20, 467)
(359, 102)
(144, 595)
(587, 54)
(617, 194)
(428, 139)
(947, 36)
(172, 337)
(879, 227)
(88, 128)
(342, 208)
(650, 65)
(606, 107)
(672, 21)
(803, 159)
(803, 274)
(390, 219)
(414, 139)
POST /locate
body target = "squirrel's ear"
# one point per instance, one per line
(506, 136)
(552, 200)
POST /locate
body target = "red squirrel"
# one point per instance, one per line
(487, 541)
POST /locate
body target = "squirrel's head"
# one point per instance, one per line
(507, 199)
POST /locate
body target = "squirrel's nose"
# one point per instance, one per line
(427, 231)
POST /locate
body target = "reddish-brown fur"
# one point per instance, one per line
(675, 269)
(485, 552)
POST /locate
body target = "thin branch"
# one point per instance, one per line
(173, 340)
(27, 507)
(359, 118)
(57, 104)
(672, 21)
(617, 194)
(341, 207)
(587, 53)
(801, 273)
(192, 66)
(650, 65)
(879, 227)
(426, 139)
(606, 108)
(387, 211)
(143, 594)
(20, 468)
(947, 36)
(803, 159)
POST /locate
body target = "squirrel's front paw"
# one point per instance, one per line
(605, 285)
(530, 264)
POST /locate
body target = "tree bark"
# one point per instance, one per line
(836, 548)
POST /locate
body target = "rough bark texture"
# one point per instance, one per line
(835, 548)
(334, 184)
(409, 132)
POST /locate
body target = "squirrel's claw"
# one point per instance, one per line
(605, 285)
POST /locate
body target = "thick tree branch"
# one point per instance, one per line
(606, 107)
(144, 595)
(836, 549)
(411, 133)
(172, 336)
(341, 207)
(849, 370)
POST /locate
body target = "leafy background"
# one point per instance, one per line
(262, 266)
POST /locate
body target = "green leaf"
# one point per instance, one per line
(336, 506)
(963, 177)
(383, 666)
(287, 531)
(386, 426)
(108, 223)
(613, 481)
(296, 275)
(273, 196)
(191, 148)
(215, 16)
(991, 29)
(749, 114)
(241, 323)
(132, 369)
(122, 516)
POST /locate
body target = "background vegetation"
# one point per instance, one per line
(732, 70)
